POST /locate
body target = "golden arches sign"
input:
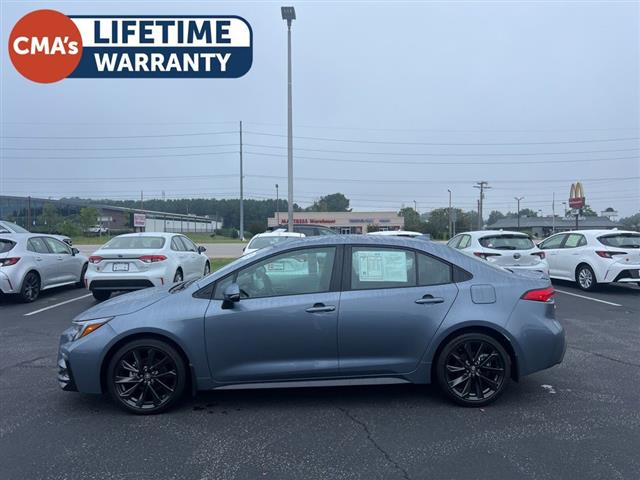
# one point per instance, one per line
(576, 195)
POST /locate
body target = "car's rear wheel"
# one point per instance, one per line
(30, 289)
(80, 283)
(101, 295)
(473, 369)
(585, 278)
(146, 376)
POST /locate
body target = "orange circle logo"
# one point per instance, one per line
(45, 46)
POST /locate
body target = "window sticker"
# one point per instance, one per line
(381, 266)
(289, 266)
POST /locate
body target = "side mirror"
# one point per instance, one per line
(231, 295)
(201, 249)
(75, 251)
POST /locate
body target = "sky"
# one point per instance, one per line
(392, 103)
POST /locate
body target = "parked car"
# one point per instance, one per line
(139, 260)
(97, 230)
(335, 308)
(592, 257)
(262, 240)
(309, 230)
(31, 262)
(397, 233)
(513, 250)
(9, 227)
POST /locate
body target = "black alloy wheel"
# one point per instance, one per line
(146, 376)
(473, 369)
(30, 287)
(101, 295)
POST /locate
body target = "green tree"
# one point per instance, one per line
(494, 216)
(526, 212)
(411, 219)
(587, 211)
(88, 218)
(336, 202)
(49, 219)
(632, 222)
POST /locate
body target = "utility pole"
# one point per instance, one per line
(289, 14)
(448, 190)
(241, 189)
(277, 207)
(29, 212)
(482, 185)
(553, 213)
(141, 200)
(415, 206)
(518, 200)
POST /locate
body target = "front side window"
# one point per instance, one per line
(552, 242)
(292, 273)
(507, 242)
(382, 268)
(189, 246)
(575, 240)
(432, 271)
(621, 240)
(37, 245)
(176, 245)
(57, 246)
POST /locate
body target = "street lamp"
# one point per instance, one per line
(449, 212)
(518, 200)
(277, 207)
(289, 14)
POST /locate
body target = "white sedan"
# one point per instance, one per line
(262, 240)
(590, 257)
(139, 260)
(512, 250)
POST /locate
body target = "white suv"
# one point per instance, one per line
(512, 250)
(590, 257)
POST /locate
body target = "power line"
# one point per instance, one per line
(122, 148)
(109, 157)
(83, 137)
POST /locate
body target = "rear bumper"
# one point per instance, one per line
(111, 282)
(539, 267)
(6, 285)
(623, 274)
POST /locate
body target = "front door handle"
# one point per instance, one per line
(320, 307)
(428, 299)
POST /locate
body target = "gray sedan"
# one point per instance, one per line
(31, 262)
(324, 310)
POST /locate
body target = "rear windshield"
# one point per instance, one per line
(621, 240)
(507, 242)
(262, 242)
(134, 243)
(6, 245)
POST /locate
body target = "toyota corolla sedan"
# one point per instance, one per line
(322, 310)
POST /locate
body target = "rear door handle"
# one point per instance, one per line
(428, 299)
(320, 307)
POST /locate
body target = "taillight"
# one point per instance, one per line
(95, 259)
(608, 254)
(540, 254)
(539, 294)
(485, 256)
(7, 262)
(152, 258)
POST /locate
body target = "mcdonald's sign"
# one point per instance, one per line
(576, 195)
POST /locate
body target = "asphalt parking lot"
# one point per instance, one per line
(580, 419)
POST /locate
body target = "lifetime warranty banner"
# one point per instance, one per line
(46, 46)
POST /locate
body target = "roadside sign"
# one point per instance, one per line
(139, 220)
(576, 196)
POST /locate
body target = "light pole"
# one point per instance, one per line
(518, 200)
(449, 212)
(277, 207)
(415, 206)
(289, 14)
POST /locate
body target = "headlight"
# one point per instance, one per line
(85, 327)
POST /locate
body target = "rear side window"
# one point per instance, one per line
(6, 245)
(453, 243)
(382, 268)
(465, 240)
(621, 240)
(135, 243)
(432, 271)
(507, 242)
(37, 245)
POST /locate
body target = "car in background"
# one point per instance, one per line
(512, 250)
(309, 230)
(139, 260)
(32, 262)
(397, 233)
(267, 239)
(330, 309)
(97, 230)
(592, 257)
(10, 227)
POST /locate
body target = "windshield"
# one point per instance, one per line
(134, 243)
(621, 240)
(8, 227)
(507, 242)
(262, 242)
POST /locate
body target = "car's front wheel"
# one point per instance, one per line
(146, 376)
(473, 369)
(30, 289)
(585, 278)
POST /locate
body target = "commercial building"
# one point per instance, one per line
(342, 222)
(541, 227)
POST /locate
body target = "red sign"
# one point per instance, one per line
(576, 196)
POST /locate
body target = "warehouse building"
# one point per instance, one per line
(343, 222)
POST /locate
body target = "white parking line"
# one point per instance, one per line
(57, 304)
(589, 298)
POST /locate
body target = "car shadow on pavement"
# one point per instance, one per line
(44, 294)
(613, 288)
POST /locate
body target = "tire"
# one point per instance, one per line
(136, 386)
(473, 369)
(30, 290)
(207, 269)
(178, 277)
(80, 283)
(585, 278)
(101, 295)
